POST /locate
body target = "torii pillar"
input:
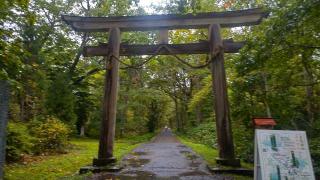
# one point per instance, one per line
(221, 104)
(109, 109)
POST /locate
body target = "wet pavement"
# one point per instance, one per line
(162, 158)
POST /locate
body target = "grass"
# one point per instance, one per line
(210, 154)
(67, 165)
(207, 153)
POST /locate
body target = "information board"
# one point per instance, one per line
(282, 155)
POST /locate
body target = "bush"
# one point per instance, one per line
(93, 128)
(315, 154)
(19, 142)
(52, 136)
(204, 133)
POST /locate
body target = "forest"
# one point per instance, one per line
(56, 93)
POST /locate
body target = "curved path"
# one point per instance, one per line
(162, 158)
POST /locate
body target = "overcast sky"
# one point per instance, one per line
(146, 4)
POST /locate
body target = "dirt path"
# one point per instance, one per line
(163, 158)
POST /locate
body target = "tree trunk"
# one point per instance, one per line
(4, 106)
(309, 97)
(266, 90)
(22, 106)
(197, 85)
(82, 131)
(176, 105)
(309, 79)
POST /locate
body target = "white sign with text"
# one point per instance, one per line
(282, 155)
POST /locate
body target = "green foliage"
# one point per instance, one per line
(83, 109)
(19, 141)
(62, 107)
(142, 110)
(315, 154)
(9, 62)
(204, 133)
(66, 165)
(137, 139)
(244, 142)
(36, 138)
(52, 136)
(277, 73)
(201, 95)
(93, 127)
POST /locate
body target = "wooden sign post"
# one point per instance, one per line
(4, 105)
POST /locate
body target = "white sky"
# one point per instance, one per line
(146, 4)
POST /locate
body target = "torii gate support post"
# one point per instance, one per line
(223, 124)
(163, 36)
(107, 131)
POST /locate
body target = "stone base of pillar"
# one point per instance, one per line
(228, 162)
(98, 169)
(103, 161)
(101, 165)
(231, 170)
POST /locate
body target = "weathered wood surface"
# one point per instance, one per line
(221, 104)
(136, 49)
(163, 36)
(171, 21)
(4, 105)
(110, 98)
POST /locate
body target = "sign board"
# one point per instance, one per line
(282, 155)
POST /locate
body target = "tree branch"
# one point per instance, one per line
(89, 73)
(78, 55)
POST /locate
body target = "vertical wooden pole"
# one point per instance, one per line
(107, 133)
(163, 36)
(4, 105)
(223, 124)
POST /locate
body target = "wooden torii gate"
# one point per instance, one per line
(215, 47)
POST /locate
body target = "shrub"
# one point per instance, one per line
(93, 128)
(315, 154)
(243, 138)
(204, 133)
(19, 142)
(52, 136)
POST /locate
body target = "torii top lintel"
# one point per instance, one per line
(170, 21)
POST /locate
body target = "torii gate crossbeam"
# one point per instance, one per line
(141, 49)
(215, 47)
(170, 21)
